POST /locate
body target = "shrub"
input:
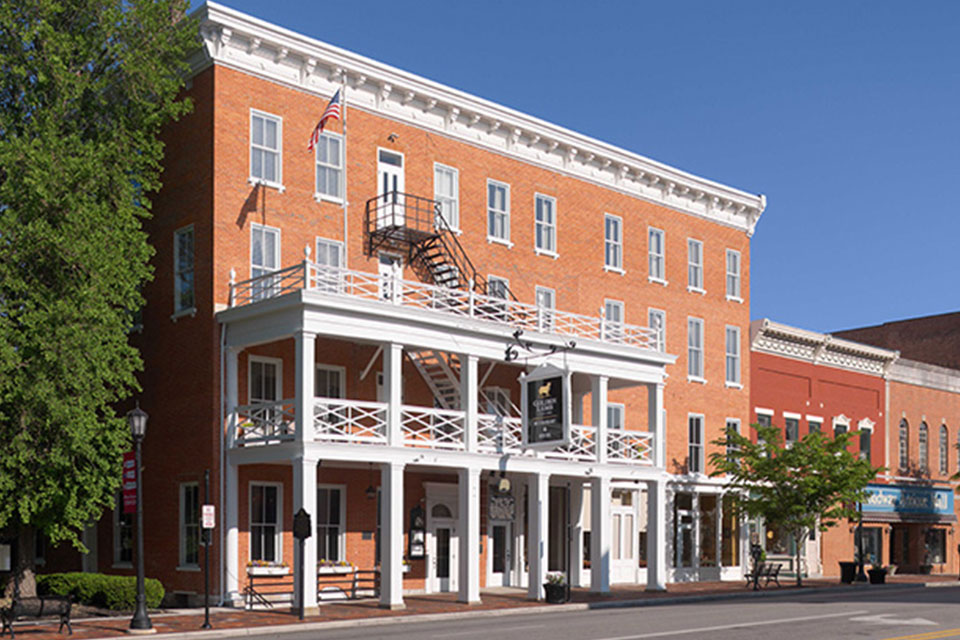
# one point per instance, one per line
(117, 593)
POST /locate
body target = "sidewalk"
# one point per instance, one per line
(229, 622)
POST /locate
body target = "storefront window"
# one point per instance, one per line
(871, 544)
(780, 542)
(936, 546)
(730, 533)
(708, 530)
(683, 530)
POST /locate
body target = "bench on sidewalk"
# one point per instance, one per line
(37, 607)
(765, 571)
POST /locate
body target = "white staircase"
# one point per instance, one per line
(442, 374)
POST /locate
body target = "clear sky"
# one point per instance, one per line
(845, 114)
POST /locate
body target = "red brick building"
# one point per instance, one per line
(328, 329)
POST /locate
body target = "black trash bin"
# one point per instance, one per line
(848, 572)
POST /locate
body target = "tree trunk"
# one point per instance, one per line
(23, 580)
(801, 538)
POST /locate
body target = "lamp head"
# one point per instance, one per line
(137, 419)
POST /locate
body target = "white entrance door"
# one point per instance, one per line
(623, 534)
(391, 268)
(442, 546)
(389, 189)
(501, 553)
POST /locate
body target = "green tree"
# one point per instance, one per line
(810, 484)
(86, 86)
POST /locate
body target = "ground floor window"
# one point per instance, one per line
(189, 524)
(330, 521)
(730, 533)
(936, 546)
(780, 542)
(265, 523)
(683, 530)
(708, 530)
(872, 540)
(122, 534)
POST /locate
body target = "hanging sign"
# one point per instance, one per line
(129, 482)
(545, 405)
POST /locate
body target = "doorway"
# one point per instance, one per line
(442, 547)
(623, 533)
(501, 554)
(390, 211)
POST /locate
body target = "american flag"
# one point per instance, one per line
(332, 112)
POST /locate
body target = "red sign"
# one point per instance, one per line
(129, 483)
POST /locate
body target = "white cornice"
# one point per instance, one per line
(926, 375)
(251, 45)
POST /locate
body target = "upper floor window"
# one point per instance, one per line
(183, 290)
(546, 303)
(733, 355)
(694, 264)
(657, 320)
(329, 255)
(497, 287)
(330, 166)
(944, 451)
(498, 211)
(656, 254)
(545, 224)
(329, 382)
(695, 348)
(446, 191)
(813, 425)
(189, 524)
(265, 147)
(264, 382)
(264, 257)
(922, 453)
(613, 242)
(903, 448)
(866, 442)
(613, 319)
(733, 427)
(615, 415)
(695, 451)
(733, 274)
(791, 429)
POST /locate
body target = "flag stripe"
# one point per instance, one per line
(332, 112)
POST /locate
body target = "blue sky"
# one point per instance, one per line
(846, 115)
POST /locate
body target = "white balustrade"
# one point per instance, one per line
(432, 428)
(265, 422)
(350, 421)
(582, 445)
(499, 435)
(625, 445)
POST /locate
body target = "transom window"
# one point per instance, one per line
(265, 147)
(498, 211)
(695, 348)
(545, 226)
(265, 531)
(694, 264)
(733, 274)
(613, 241)
(330, 166)
(656, 254)
(183, 290)
(446, 191)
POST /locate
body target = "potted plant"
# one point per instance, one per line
(878, 574)
(555, 588)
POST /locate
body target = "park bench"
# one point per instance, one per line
(37, 607)
(765, 571)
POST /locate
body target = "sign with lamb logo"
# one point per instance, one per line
(546, 407)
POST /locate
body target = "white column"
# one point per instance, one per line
(305, 496)
(469, 532)
(232, 393)
(576, 533)
(657, 535)
(393, 390)
(468, 399)
(232, 529)
(306, 370)
(538, 513)
(600, 535)
(391, 531)
(655, 423)
(598, 407)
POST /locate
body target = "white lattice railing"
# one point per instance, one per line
(624, 445)
(265, 421)
(497, 434)
(432, 428)
(582, 446)
(407, 293)
(350, 421)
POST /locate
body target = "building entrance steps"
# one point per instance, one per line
(185, 623)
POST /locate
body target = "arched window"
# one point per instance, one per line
(440, 511)
(922, 462)
(944, 459)
(904, 444)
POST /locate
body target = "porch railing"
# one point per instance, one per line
(350, 421)
(265, 422)
(418, 295)
(432, 428)
(625, 445)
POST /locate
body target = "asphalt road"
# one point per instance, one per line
(878, 614)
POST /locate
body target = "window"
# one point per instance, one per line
(546, 303)
(329, 382)
(330, 523)
(655, 252)
(935, 543)
(264, 382)
(497, 287)
(695, 452)
(330, 259)
(944, 451)
(733, 274)
(613, 320)
(791, 429)
(866, 441)
(613, 242)
(330, 166)
(657, 320)
(446, 191)
(839, 426)
(545, 224)
(694, 265)
(764, 419)
(615, 415)
(733, 356)
(904, 445)
(264, 258)
(733, 427)
(265, 534)
(695, 348)
(814, 426)
(498, 211)
(183, 291)
(189, 524)
(922, 461)
(265, 147)
(122, 534)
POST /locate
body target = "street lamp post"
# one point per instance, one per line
(861, 576)
(140, 623)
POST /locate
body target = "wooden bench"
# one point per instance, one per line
(37, 607)
(765, 571)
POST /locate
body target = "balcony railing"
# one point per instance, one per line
(417, 295)
(365, 423)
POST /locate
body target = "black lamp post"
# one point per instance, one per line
(861, 576)
(140, 623)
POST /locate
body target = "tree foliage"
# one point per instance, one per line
(810, 484)
(86, 86)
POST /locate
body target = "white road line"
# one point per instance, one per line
(487, 630)
(736, 625)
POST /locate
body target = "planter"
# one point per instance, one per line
(555, 593)
(327, 571)
(268, 571)
(848, 572)
(926, 569)
(877, 576)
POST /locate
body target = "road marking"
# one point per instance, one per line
(486, 630)
(884, 618)
(736, 625)
(930, 635)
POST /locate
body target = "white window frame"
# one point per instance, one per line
(117, 516)
(342, 371)
(545, 318)
(616, 244)
(818, 420)
(278, 544)
(866, 425)
(695, 376)
(841, 421)
(266, 285)
(178, 269)
(278, 183)
(695, 266)
(661, 336)
(329, 281)
(695, 448)
(657, 261)
(278, 362)
(613, 329)
(617, 407)
(338, 168)
(342, 533)
(732, 356)
(183, 564)
(506, 283)
(550, 226)
(733, 277)
(442, 199)
(735, 423)
(505, 213)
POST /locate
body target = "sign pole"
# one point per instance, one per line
(206, 555)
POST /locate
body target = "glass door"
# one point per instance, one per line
(390, 189)
(501, 553)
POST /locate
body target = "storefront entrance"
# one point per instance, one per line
(442, 539)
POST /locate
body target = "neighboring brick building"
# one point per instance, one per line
(930, 339)
(342, 356)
